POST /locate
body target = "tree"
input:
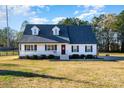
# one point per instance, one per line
(120, 27)
(73, 21)
(20, 33)
(11, 38)
(23, 25)
(3, 38)
(105, 26)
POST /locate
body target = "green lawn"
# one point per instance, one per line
(16, 72)
(8, 53)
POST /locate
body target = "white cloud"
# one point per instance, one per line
(94, 6)
(76, 12)
(99, 6)
(90, 11)
(41, 6)
(44, 6)
(57, 19)
(23, 10)
(38, 20)
(26, 10)
(79, 6)
(2, 16)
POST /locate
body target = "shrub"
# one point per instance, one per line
(89, 56)
(82, 56)
(27, 57)
(57, 57)
(51, 57)
(35, 57)
(107, 55)
(21, 57)
(43, 57)
(70, 56)
(75, 56)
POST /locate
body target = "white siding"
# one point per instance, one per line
(82, 49)
(41, 49)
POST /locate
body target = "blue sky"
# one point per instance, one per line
(52, 14)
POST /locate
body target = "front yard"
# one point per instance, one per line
(16, 72)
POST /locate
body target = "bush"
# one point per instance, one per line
(57, 57)
(75, 56)
(107, 55)
(82, 56)
(21, 57)
(43, 57)
(27, 57)
(70, 56)
(51, 57)
(89, 56)
(35, 57)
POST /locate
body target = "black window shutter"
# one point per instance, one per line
(85, 48)
(77, 48)
(20, 46)
(91, 49)
(35, 47)
(55, 47)
(45, 47)
(72, 48)
(25, 47)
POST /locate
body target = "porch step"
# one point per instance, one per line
(64, 57)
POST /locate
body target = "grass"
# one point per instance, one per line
(8, 53)
(16, 72)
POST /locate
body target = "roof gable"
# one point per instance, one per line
(35, 30)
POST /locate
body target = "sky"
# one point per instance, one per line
(52, 14)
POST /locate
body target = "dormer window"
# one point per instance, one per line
(56, 30)
(35, 30)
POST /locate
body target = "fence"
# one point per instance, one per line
(8, 51)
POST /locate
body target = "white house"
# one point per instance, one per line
(57, 40)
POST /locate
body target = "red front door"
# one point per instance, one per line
(63, 49)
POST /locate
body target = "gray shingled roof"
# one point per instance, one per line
(81, 35)
(68, 34)
(38, 39)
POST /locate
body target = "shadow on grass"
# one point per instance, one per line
(26, 74)
(30, 75)
(2, 64)
(121, 68)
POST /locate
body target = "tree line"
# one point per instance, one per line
(108, 28)
(12, 36)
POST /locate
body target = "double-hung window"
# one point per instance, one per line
(50, 47)
(30, 47)
(75, 48)
(88, 48)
